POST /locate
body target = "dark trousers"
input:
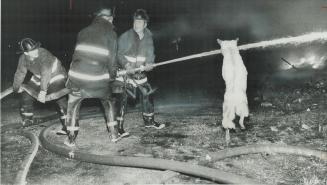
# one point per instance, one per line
(27, 107)
(145, 98)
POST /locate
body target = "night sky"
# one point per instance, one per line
(193, 24)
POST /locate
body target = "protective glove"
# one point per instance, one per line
(20, 90)
(129, 69)
(41, 96)
(17, 89)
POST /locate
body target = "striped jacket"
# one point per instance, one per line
(46, 69)
(134, 51)
(94, 58)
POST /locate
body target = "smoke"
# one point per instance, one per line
(304, 16)
(311, 59)
(251, 20)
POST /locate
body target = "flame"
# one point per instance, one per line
(313, 61)
(285, 66)
(309, 60)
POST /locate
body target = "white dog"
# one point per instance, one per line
(235, 75)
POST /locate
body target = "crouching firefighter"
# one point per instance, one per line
(46, 84)
(91, 71)
(135, 50)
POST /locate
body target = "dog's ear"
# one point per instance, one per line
(237, 39)
(219, 41)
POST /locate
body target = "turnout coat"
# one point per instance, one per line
(93, 63)
(48, 75)
(134, 51)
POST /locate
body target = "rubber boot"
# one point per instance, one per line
(112, 128)
(149, 122)
(27, 117)
(72, 134)
(146, 121)
(27, 121)
(26, 109)
(71, 138)
(63, 130)
(121, 130)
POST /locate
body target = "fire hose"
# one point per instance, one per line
(149, 163)
(24, 167)
(161, 164)
(267, 148)
(182, 167)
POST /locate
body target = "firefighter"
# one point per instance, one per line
(91, 72)
(48, 80)
(135, 50)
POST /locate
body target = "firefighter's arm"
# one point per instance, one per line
(113, 65)
(19, 75)
(123, 46)
(149, 56)
(45, 82)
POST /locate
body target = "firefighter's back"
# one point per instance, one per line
(92, 59)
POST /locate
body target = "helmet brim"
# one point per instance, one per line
(104, 12)
(37, 45)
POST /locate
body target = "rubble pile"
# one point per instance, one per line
(310, 95)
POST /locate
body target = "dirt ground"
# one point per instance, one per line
(291, 115)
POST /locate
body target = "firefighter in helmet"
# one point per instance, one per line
(135, 50)
(91, 72)
(46, 84)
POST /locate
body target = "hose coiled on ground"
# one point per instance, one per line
(149, 163)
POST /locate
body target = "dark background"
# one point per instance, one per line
(55, 23)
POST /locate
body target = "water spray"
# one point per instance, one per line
(297, 40)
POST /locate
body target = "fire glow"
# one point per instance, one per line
(310, 60)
